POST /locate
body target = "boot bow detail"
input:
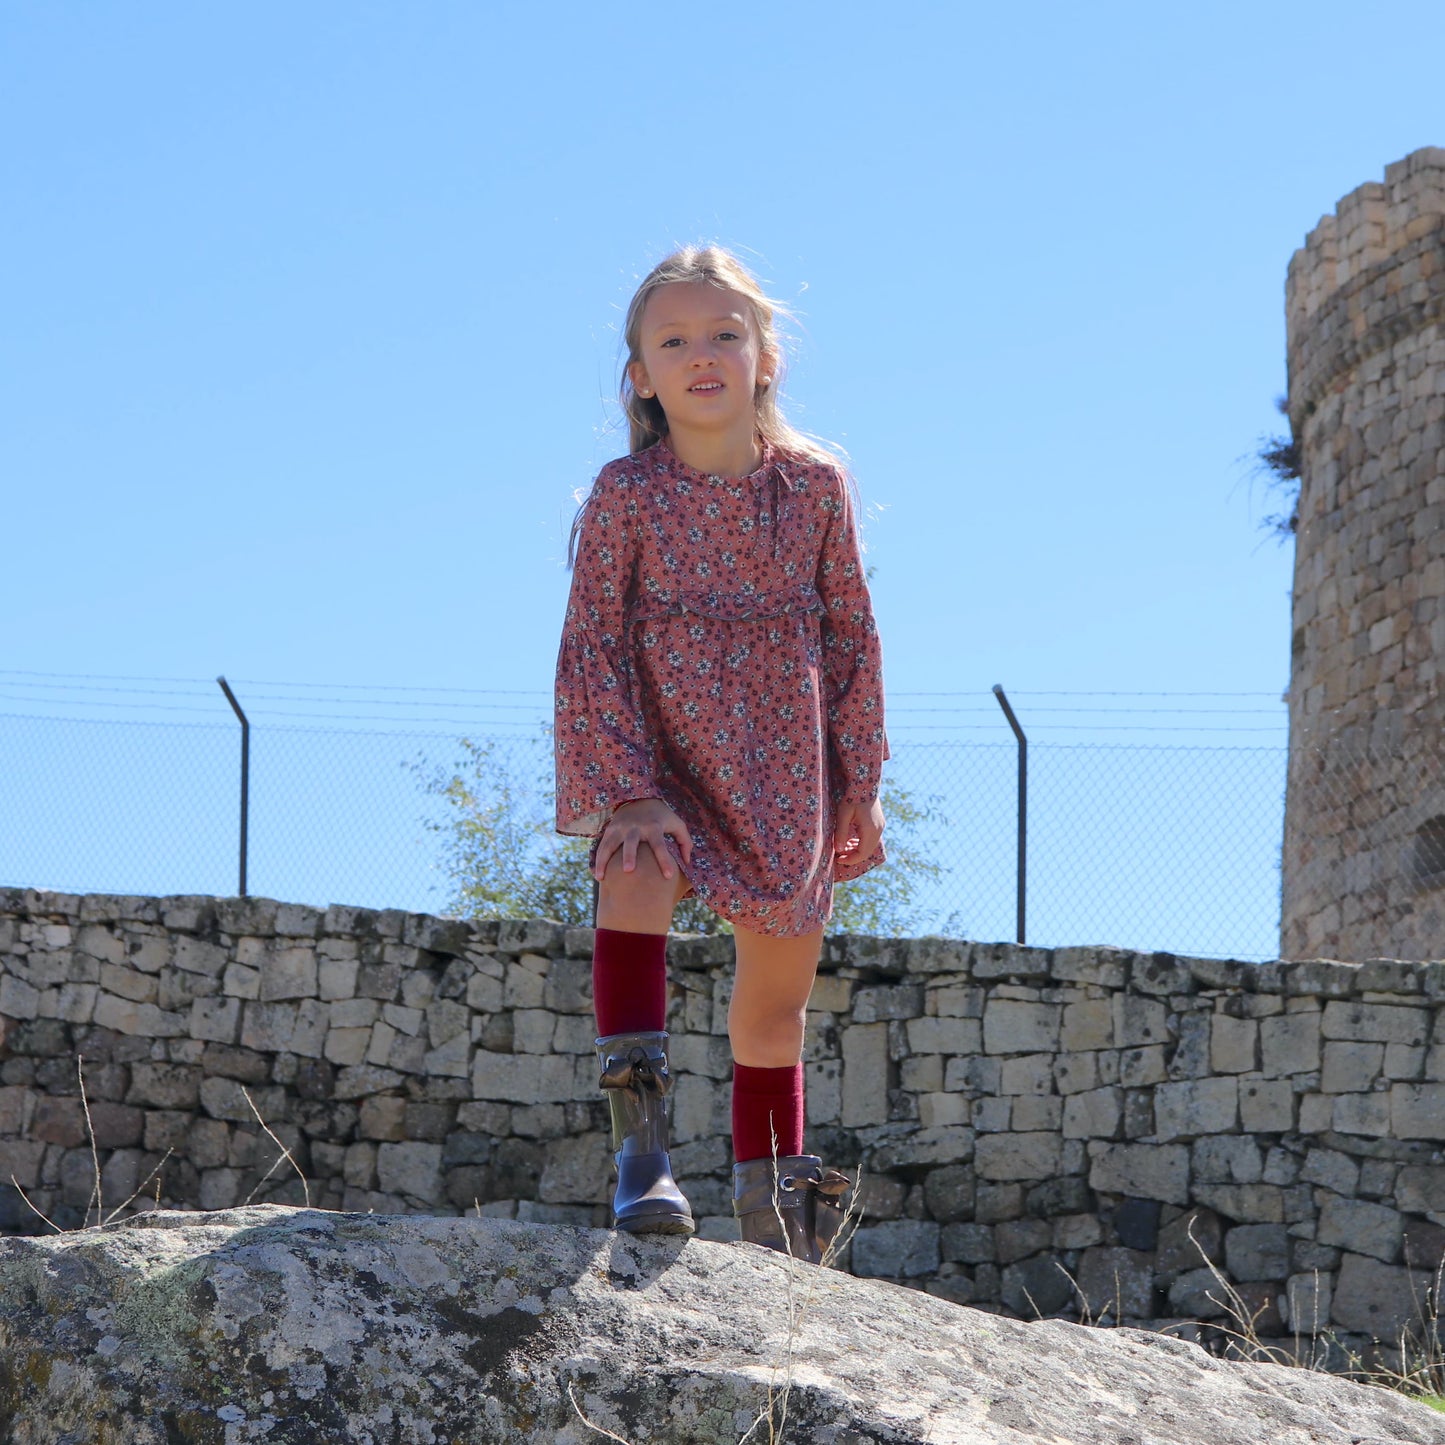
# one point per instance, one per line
(638, 1066)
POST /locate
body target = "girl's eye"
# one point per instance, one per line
(673, 341)
(727, 336)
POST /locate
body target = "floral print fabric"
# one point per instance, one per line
(720, 653)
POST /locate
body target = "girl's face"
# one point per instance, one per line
(700, 355)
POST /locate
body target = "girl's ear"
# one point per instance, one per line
(637, 375)
(767, 367)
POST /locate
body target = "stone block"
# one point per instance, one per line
(1246, 1203)
(944, 1035)
(1199, 1294)
(1144, 1171)
(1417, 1111)
(1013, 1026)
(1226, 1159)
(1331, 1170)
(1016, 1239)
(957, 1001)
(267, 1027)
(1307, 1303)
(577, 1170)
(288, 973)
(57, 1120)
(140, 1020)
(410, 1168)
(1141, 1067)
(1375, 1023)
(1030, 1074)
(354, 1013)
(1360, 1226)
(532, 1030)
(217, 1020)
(347, 1046)
(1077, 1231)
(1076, 1073)
(1404, 1061)
(865, 1074)
(1424, 1246)
(993, 1116)
(823, 1091)
(1351, 1067)
(948, 1192)
(1420, 1189)
(1375, 1299)
(1266, 1106)
(1256, 1252)
(238, 981)
(568, 987)
(1367, 1114)
(897, 1249)
(451, 1060)
(1139, 1021)
(1034, 1113)
(76, 1004)
(485, 994)
(1097, 1114)
(525, 985)
(125, 983)
(968, 1243)
(1017, 1156)
(937, 1109)
(164, 1086)
(1117, 1282)
(336, 978)
(880, 1002)
(1316, 1113)
(1289, 1044)
(1233, 1045)
(1190, 1241)
(1036, 1287)
(1087, 1025)
(1196, 1106)
(194, 956)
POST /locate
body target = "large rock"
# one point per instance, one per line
(291, 1325)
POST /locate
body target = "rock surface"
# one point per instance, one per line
(292, 1325)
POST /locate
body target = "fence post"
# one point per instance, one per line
(1023, 806)
(245, 774)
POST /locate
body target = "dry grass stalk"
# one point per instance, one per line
(95, 1195)
(284, 1154)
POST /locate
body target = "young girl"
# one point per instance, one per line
(719, 731)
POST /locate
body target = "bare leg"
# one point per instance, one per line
(770, 997)
(640, 901)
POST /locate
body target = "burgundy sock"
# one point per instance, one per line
(767, 1102)
(629, 982)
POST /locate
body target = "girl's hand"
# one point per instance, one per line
(648, 820)
(859, 829)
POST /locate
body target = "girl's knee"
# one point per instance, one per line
(637, 902)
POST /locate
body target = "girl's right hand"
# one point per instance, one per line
(647, 820)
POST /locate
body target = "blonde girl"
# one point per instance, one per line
(719, 731)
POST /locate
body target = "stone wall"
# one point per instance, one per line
(1364, 850)
(1057, 1131)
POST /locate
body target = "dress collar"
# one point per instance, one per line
(773, 464)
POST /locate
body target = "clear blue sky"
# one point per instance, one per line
(310, 317)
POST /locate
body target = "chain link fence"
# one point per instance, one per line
(1146, 847)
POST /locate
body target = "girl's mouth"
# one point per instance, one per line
(706, 386)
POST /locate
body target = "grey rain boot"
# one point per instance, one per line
(802, 1216)
(635, 1080)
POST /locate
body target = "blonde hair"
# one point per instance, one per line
(646, 420)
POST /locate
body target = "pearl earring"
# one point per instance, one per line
(765, 381)
(644, 391)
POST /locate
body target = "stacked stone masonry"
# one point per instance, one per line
(1073, 1132)
(1364, 851)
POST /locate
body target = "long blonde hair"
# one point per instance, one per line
(646, 421)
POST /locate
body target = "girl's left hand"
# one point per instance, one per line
(859, 829)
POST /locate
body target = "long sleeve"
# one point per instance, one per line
(602, 753)
(852, 658)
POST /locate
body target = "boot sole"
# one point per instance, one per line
(658, 1224)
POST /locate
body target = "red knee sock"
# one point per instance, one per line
(764, 1098)
(629, 982)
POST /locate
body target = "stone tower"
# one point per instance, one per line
(1364, 844)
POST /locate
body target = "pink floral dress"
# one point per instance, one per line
(720, 653)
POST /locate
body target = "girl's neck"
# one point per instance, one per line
(717, 453)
